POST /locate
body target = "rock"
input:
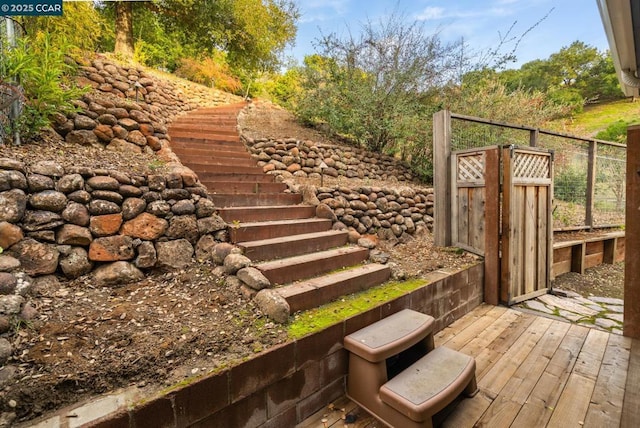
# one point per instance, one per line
(11, 305)
(205, 208)
(145, 226)
(83, 122)
(234, 262)
(8, 283)
(104, 133)
(368, 241)
(183, 226)
(324, 211)
(183, 207)
(10, 163)
(211, 224)
(102, 207)
(28, 312)
(159, 208)
(136, 137)
(204, 248)
(175, 254)
(129, 191)
(111, 248)
(120, 145)
(12, 180)
(35, 257)
(38, 183)
(8, 263)
(377, 256)
(71, 234)
(9, 234)
(83, 137)
(33, 221)
(76, 213)
(221, 251)
(147, 256)
(118, 273)
(5, 326)
(397, 273)
(253, 278)
(24, 284)
(105, 225)
(103, 182)
(13, 204)
(353, 236)
(70, 183)
(107, 119)
(76, 263)
(132, 207)
(5, 350)
(80, 196)
(48, 168)
(273, 305)
(128, 124)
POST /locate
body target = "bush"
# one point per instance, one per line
(570, 184)
(40, 68)
(212, 71)
(616, 132)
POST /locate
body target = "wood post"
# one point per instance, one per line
(442, 178)
(591, 183)
(632, 242)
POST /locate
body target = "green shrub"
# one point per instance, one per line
(39, 66)
(617, 132)
(570, 184)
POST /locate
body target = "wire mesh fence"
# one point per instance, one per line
(589, 174)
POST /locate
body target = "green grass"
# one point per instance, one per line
(597, 117)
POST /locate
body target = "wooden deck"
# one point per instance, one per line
(532, 372)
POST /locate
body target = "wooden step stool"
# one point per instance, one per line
(396, 374)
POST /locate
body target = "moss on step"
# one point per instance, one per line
(316, 319)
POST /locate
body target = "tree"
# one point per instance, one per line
(369, 86)
(124, 29)
(251, 33)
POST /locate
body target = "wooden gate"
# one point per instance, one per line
(518, 261)
(527, 228)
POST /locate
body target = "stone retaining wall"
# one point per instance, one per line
(128, 108)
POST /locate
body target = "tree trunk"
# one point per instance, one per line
(124, 29)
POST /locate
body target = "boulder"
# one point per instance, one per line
(105, 225)
(183, 226)
(221, 251)
(234, 262)
(111, 248)
(71, 234)
(204, 248)
(13, 204)
(35, 257)
(147, 256)
(76, 263)
(9, 234)
(11, 304)
(118, 273)
(145, 226)
(253, 278)
(272, 304)
(70, 183)
(175, 254)
(76, 213)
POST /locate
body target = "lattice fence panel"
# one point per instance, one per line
(531, 166)
(471, 167)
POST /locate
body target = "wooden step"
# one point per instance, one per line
(243, 187)
(268, 213)
(324, 289)
(226, 146)
(288, 246)
(224, 169)
(177, 128)
(213, 152)
(273, 229)
(284, 271)
(195, 161)
(253, 199)
(201, 136)
(259, 177)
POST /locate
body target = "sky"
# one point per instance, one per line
(480, 22)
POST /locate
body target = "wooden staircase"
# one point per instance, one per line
(310, 263)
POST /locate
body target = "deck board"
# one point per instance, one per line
(532, 372)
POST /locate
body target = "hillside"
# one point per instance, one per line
(597, 117)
